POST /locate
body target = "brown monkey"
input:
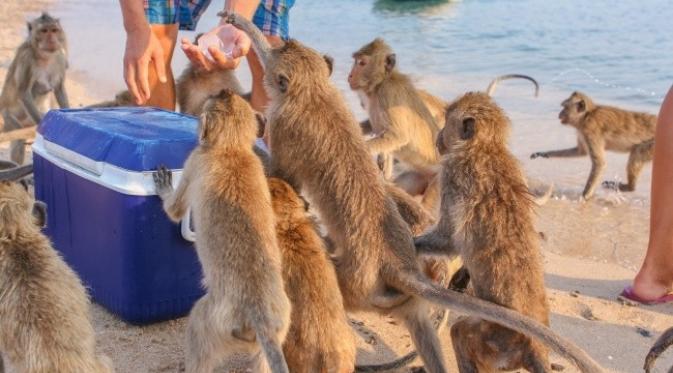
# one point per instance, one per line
(664, 341)
(320, 338)
(486, 218)
(45, 323)
(122, 98)
(600, 128)
(401, 122)
(223, 182)
(37, 70)
(316, 144)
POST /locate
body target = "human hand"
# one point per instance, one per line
(142, 48)
(232, 39)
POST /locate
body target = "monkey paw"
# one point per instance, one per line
(163, 180)
(539, 154)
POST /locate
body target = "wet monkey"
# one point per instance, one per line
(223, 182)
(38, 69)
(486, 218)
(45, 320)
(600, 128)
(316, 144)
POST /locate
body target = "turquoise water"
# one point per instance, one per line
(620, 51)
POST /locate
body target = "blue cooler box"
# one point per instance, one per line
(93, 169)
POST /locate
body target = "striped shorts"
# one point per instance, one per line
(272, 16)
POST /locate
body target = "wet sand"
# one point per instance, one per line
(591, 250)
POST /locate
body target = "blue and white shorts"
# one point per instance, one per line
(272, 16)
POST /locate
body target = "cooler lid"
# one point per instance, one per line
(131, 138)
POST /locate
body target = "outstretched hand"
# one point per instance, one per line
(232, 38)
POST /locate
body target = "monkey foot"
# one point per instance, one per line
(614, 185)
(629, 294)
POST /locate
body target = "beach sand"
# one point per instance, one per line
(591, 251)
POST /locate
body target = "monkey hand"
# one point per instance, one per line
(163, 181)
(539, 154)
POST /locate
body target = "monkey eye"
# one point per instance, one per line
(362, 62)
(44, 31)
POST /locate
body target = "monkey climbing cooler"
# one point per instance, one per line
(93, 169)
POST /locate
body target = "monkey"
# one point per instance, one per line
(316, 146)
(245, 306)
(45, 321)
(486, 218)
(405, 120)
(123, 98)
(37, 70)
(662, 343)
(600, 128)
(195, 86)
(320, 338)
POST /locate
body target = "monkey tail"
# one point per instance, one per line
(494, 84)
(663, 342)
(272, 351)
(441, 320)
(415, 283)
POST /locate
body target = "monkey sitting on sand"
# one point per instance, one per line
(600, 128)
(245, 309)
(38, 69)
(45, 323)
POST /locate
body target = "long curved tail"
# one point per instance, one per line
(415, 283)
(663, 342)
(272, 351)
(495, 82)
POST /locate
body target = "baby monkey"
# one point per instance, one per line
(245, 307)
(486, 219)
(45, 324)
(600, 128)
(320, 338)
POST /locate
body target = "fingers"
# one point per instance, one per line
(130, 78)
(195, 55)
(142, 79)
(221, 59)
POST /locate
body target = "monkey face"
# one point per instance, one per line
(371, 64)
(46, 34)
(227, 119)
(574, 109)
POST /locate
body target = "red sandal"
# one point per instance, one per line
(629, 294)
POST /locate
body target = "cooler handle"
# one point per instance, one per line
(187, 227)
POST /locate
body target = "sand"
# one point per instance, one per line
(591, 251)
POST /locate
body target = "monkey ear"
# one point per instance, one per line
(40, 214)
(261, 123)
(306, 204)
(204, 128)
(468, 128)
(581, 106)
(330, 63)
(391, 60)
(283, 83)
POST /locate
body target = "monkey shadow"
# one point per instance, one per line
(599, 289)
(618, 348)
(380, 353)
(402, 7)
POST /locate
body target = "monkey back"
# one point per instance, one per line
(93, 168)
